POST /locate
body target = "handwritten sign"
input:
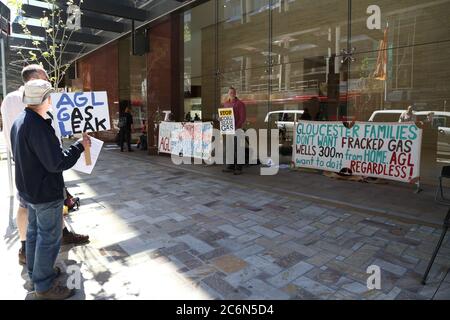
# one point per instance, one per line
(78, 112)
(382, 150)
(226, 119)
(187, 139)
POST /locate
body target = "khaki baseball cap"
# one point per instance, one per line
(36, 91)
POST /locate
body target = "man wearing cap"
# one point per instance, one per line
(39, 163)
(11, 108)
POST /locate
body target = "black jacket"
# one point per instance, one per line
(39, 158)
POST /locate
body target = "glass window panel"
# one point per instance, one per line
(243, 34)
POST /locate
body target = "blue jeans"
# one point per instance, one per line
(43, 242)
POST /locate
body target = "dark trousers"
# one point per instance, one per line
(125, 135)
(235, 165)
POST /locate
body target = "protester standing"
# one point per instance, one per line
(12, 107)
(240, 118)
(125, 127)
(39, 157)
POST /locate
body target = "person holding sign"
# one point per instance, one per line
(240, 118)
(12, 107)
(40, 162)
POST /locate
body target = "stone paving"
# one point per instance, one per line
(166, 233)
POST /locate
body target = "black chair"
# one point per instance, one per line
(439, 197)
(444, 231)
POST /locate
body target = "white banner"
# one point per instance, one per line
(78, 112)
(371, 149)
(187, 139)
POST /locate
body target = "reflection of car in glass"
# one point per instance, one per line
(284, 118)
(386, 115)
(284, 121)
(441, 121)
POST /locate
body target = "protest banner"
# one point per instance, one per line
(186, 139)
(81, 112)
(370, 149)
(165, 130)
(226, 119)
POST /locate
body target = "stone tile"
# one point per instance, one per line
(443, 292)
(290, 259)
(218, 284)
(395, 269)
(196, 244)
(288, 275)
(289, 231)
(313, 210)
(335, 232)
(321, 258)
(362, 256)
(356, 288)
(249, 251)
(188, 260)
(231, 230)
(307, 251)
(329, 220)
(214, 254)
(263, 264)
(250, 236)
(238, 278)
(229, 263)
(263, 291)
(297, 293)
(314, 287)
(265, 231)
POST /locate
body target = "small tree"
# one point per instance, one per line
(58, 33)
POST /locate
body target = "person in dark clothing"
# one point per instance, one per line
(125, 125)
(306, 115)
(39, 157)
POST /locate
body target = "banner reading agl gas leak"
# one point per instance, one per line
(371, 149)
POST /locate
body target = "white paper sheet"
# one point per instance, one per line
(96, 147)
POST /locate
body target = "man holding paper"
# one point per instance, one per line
(12, 107)
(39, 157)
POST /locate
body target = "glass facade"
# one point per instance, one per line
(343, 60)
(133, 86)
(340, 59)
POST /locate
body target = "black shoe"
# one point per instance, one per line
(22, 257)
(131, 150)
(227, 170)
(237, 172)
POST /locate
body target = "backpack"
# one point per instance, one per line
(122, 122)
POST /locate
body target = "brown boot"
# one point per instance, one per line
(56, 292)
(74, 238)
(29, 285)
(22, 257)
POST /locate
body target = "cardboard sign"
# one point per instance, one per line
(78, 112)
(370, 149)
(226, 119)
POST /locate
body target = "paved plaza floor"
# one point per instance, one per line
(159, 231)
